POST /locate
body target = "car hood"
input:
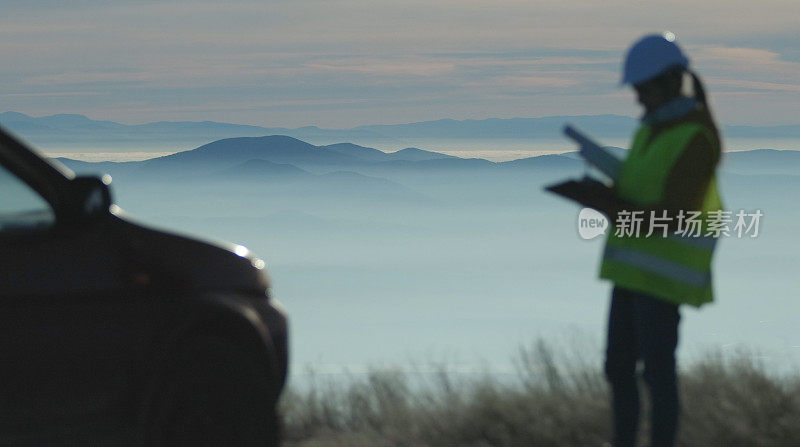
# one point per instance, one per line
(187, 261)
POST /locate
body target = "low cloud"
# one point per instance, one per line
(403, 67)
(754, 85)
(440, 58)
(535, 81)
(758, 62)
(47, 94)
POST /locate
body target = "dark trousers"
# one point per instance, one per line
(641, 327)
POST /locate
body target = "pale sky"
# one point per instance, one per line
(342, 63)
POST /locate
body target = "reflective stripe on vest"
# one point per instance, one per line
(659, 266)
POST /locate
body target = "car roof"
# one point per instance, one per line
(48, 179)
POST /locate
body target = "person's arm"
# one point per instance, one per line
(688, 180)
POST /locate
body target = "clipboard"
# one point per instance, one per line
(594, 154)
(586, 191)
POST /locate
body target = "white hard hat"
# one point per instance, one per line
(650, 56)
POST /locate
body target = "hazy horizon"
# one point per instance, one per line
(81, 138)
(499, 151)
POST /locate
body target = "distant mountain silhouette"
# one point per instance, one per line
(274, 148)
(283, 149)
(370, 154)
(414, 154)
(75, 129)
(275, 155)
(292, 171)
(359, 152)
(762, 161)
(551, 161)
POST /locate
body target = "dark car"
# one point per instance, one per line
(117, 334)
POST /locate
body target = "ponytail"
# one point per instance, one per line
(697, 86)
(700, 96)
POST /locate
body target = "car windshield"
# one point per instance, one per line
(21, 208)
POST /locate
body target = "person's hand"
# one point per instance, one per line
(587, 192)
(595, 194)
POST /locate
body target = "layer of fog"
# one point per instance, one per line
(464, 266)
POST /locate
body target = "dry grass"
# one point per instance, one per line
(727, 402)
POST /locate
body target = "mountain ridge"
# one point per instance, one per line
(76, 129)
(281, 152)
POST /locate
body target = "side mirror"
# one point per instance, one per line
(92, 195)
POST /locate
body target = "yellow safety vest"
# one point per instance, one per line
(675, 268)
